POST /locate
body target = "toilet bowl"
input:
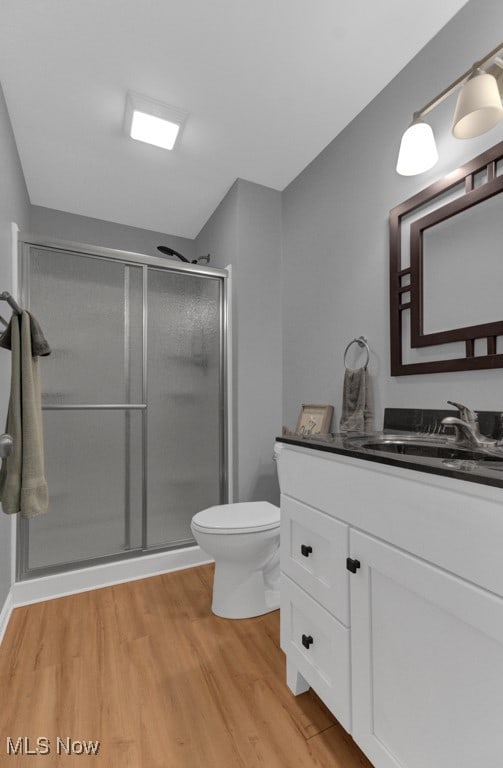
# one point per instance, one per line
(243, 539)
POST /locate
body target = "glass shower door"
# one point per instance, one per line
(89, 309)
(133, 400)
(185, 441)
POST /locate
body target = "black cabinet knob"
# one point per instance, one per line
(352, 565)
(306, 550)
(307, 640)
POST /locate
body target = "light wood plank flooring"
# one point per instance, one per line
(150, 672)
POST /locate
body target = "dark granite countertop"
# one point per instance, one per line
(423, 425)
(468, 469)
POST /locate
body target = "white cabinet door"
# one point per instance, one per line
(314, 548)
(427, 663)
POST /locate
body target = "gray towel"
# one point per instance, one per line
(356, 413)
(39, 345)
(22, 483)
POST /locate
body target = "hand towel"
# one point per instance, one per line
(39, 345)
(23, 487)
(357, 412)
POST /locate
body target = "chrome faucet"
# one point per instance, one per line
(467, 428)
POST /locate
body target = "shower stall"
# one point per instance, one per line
(134, 400)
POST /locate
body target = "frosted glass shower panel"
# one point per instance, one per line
(85, 306)
(133, 402)
(94, 476)
(185, 428)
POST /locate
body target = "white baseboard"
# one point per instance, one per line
(98, 576)
(5, 615)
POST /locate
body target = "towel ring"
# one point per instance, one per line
(362, 342)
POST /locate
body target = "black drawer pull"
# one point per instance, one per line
(352, 565)
(307, 640)
(305, 550)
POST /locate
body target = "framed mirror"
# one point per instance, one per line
(446, 272)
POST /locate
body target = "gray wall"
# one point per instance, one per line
(335, 229)
(245, 231)
(14, 207)
(219, 236)
(82, 229)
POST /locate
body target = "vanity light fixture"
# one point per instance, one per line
(152, 121)
(478, 109)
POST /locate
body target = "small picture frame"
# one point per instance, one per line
(314, 419)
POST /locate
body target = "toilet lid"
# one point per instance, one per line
(244, 517)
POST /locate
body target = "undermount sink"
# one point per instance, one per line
(428, 446)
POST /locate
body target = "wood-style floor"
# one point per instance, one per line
(150, 672)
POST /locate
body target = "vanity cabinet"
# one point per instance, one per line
(414, 668)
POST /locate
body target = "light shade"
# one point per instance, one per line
(418, 151)
(152, 121)
(479, 106)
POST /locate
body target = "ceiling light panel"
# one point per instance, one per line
(152, 121)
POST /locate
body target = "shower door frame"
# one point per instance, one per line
(128, 258)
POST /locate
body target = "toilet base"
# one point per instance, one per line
(243, 596)
(272, 599)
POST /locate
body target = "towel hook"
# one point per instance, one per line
(362, 342)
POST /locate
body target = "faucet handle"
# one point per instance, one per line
(466, 414)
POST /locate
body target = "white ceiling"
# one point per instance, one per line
(268, 84)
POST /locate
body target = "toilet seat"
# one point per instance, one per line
(244, 517)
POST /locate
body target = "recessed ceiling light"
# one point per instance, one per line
(153, 130)
(153, 121)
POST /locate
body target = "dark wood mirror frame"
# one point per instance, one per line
(406, 284)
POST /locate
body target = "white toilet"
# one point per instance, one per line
(243, 539)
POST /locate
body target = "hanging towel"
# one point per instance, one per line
(39, 345)
(357, 415)
(23, 487)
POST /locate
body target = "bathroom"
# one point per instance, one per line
(309, 257)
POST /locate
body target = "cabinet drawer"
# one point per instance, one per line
(318, 646)
(314, 548)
